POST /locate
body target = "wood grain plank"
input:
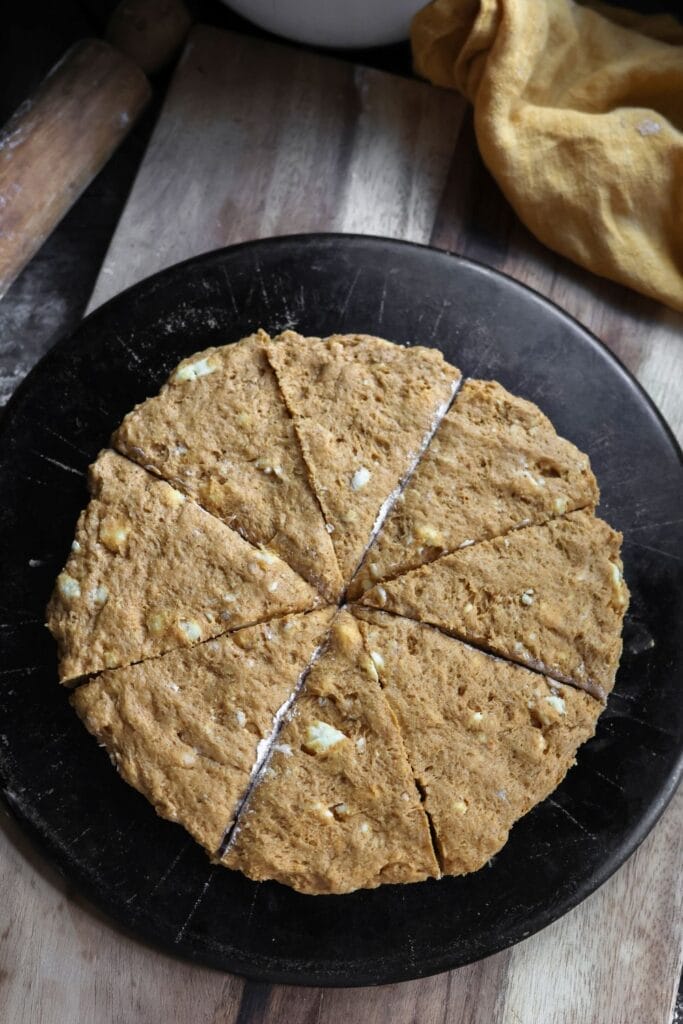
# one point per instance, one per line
(61, 962)
(266, 140)
(470, 995)
(333, 147)
(617, 957)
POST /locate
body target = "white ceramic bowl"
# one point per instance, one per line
(336, 23)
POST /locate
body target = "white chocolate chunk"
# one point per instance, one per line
(265, 557)
(368, 666)
(99, 596)
(325, 812)
(269, 468)
(537, 481)
(191, 629)
(191, 371)
(69, 588)
(360, 478)
(171, 497)
(557, 703)
(114, 533)
(429, 535)
(321, 737)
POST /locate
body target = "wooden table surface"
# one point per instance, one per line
(256, 140)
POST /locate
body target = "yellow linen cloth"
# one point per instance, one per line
(579, 117)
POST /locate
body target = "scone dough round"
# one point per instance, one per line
(339, 614)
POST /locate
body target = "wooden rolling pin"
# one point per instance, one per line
(57, 141)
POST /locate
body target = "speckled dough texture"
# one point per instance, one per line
(342, 622)
(219, 431)
(150, 570)
(550, 596)
(337, 808)
(487, 740)
(495, 464)
(363, 410)
(183, 729)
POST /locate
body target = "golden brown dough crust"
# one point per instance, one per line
(219, 431)
(363, 409)
(183, 729)
(487, 740)
(495, 463)
(278, 460)
(150, 571)
(337, 809)
(552, 597)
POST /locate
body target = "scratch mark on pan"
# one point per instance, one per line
(345, 304)
(290, 320)
(611, 713)
(653, 525)
(410, 941)
(126, 348)
(105, 413)
(439, 317)
(262, 285)
(624, 696)
(77, 839)
(657, 551)
(252, 907)
(27, 670)
(608, 780)
(229, 291)
(66, 441)
(169, 869)
(183, 928)
(571, 817)
(59, 465)
(380, 315)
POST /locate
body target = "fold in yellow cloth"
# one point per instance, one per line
(580, 121)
